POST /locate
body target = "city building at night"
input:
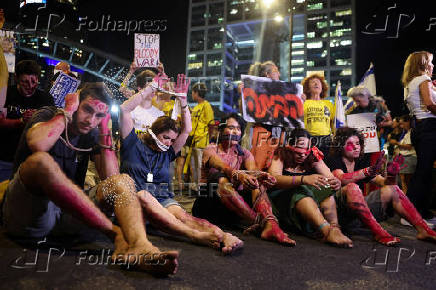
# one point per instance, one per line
(301, 36)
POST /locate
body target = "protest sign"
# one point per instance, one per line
(63, 85)
(273, 103)
(365, 122)
(7, 41)
(146, 50)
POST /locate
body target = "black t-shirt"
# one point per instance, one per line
(73, 163)
(16, 104)
(335, 162)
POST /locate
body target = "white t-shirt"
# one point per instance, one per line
(413, 99)
(145, 117)
(407, 141)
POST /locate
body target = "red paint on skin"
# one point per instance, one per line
(67, 198)
(410, 212)
(357, 203)
(349, 147)
(349, 177)
(99, 105)
(263, 207)
(234, 202)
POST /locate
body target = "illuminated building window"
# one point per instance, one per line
(297, 45)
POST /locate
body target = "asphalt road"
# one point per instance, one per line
(259, 265)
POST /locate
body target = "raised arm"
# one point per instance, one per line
(4, 73)
(106, 162)
(124, 88)
(42, 136)
(126, 122)
(181, 89)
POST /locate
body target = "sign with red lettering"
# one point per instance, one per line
(147, 50)
(365, 123)
(270, 102)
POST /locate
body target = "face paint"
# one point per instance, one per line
(299, 150)
(349, 147)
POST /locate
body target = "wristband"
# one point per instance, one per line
(184, 106)
(366, 172)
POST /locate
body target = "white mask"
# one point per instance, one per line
(159, 144)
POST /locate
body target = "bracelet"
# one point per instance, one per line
(123, 85)
(326, 223)
(293, 179)
(301, 181)
(184, 106)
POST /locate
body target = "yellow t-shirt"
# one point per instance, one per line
(202, 116)
(317, 116)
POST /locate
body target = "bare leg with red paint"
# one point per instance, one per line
(229, 241)
(357, 203)
(41, 174)
(405, 208)
(332, 234)
(172, 221)
(271, 231)
(234, 202)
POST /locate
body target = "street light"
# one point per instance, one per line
(267, 3)
(278, 18)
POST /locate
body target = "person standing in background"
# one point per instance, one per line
(202, 117)
(318, 113)
(420, 97)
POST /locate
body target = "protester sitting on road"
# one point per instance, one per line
(240, 194)
(347, 166)
(303, 196)
(46, 197)
(147, 160)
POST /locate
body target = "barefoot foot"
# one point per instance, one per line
(272, 232)
(389, 241)
(149, 259)
(210, 239)
(426, 234)
(231, 243)
(337, 238)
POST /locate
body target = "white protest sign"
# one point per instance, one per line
(365, 122)
(147, 50)
(7, 41)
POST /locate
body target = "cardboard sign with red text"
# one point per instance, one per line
(365, 123)
(146, 50)
(270, 102)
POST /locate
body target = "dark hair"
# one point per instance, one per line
(200, 89)
(235, 116)
(163, 124)
(27, 67)
(405, 118)
(285, 154)
(98, 91)
(144, 77)
(342, 135)
(295, 134)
